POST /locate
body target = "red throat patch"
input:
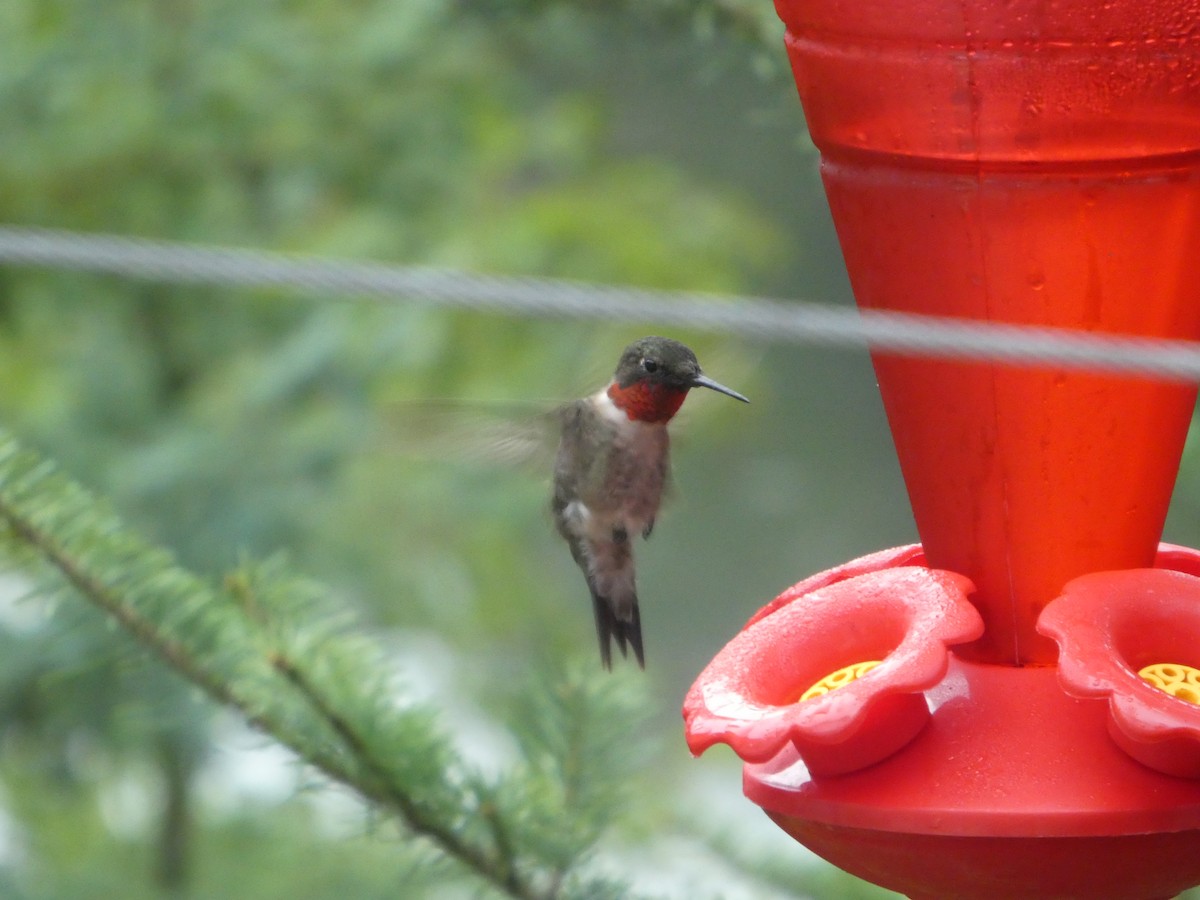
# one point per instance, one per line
(647, 402)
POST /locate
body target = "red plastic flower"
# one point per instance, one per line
(902, 616)
(1111, 625)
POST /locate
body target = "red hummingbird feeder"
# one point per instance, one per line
(1010, 709)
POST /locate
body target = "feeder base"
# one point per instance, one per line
(1013, 790)
(938, 867)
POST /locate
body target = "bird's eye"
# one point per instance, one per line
(649, 365)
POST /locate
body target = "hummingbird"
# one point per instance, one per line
(612, 466)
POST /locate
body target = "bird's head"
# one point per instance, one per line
(654, 376)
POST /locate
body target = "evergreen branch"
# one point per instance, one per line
(499, 830)
(94, 589)
(173, 651)
(499, 869)
(220, 642)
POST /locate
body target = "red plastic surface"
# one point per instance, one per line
(1021, 162)
(748, 697)
(1014, 790)
(1006, 754)
(1002, 83)
(1014, 787)
(933, 867)
(1108, 626)
(909, 555)
(1023, 479)
(1015, 161)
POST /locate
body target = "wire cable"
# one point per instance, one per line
(757, 318)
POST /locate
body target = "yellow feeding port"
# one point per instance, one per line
(842, 677)
(1177, 680)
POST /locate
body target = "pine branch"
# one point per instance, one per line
(576, 734)
(92, 587)
(229, 644)
(497, 868)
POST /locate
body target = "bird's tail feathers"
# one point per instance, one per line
(625, 629)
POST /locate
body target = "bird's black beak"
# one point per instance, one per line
(705, 381)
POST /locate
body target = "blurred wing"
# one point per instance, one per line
(506, 435)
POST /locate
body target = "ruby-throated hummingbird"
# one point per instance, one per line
(612, 465)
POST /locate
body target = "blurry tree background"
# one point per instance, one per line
(657, 144)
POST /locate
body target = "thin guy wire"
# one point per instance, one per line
(904, 334)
